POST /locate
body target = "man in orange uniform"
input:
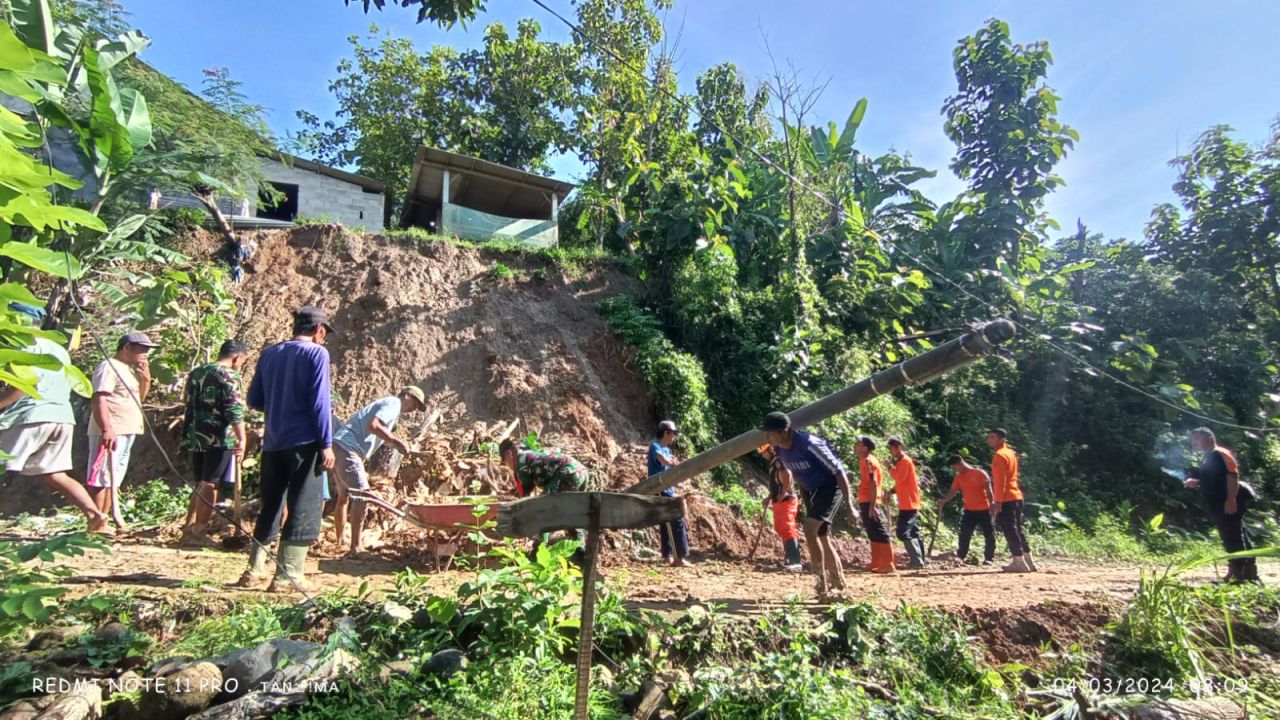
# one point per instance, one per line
(974, 485)
(785, 505)
(1007, 509)
(872, 474)
(906, 483)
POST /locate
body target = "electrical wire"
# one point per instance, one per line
(1032, 333)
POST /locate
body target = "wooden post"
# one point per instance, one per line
(444, 201)
(587, 626)
(918, 370)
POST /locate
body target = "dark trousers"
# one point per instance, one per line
(977, 519)
(908, 525)
(674, 535)
(1011, 525)
(1235, 536)
(873, 522)
(291, 478)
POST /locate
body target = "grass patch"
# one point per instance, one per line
(249, 624)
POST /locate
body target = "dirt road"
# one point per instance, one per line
(739, 587)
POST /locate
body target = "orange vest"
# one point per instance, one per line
(906, 483)
(872, 473)
(1004, 475)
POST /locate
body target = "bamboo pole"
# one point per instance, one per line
(920, 369)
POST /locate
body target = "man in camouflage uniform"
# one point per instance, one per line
(213, 432)
(549, 472)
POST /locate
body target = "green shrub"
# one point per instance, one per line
(676, 380)
(247, 625)
(155, 503)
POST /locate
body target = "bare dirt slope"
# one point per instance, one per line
(483, 347)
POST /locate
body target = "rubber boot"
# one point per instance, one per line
(882, 558)
(924, 555)
(291, 568)
(257, 572)
(913, 552)
(791, 549)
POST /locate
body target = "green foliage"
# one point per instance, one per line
(106, 652)
(154, 503)
(734, 495)
(31, 574)
(246, 625)
(501, 272)
(442, 12)
(676, 380)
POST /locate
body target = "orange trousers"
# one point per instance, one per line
(784, 519)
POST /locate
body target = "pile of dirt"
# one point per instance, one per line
(1021, 635)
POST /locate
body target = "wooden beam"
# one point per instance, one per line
(918, 370)
(572, 510)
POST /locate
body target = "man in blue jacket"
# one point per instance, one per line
(291, 385)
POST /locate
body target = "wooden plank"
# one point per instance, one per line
(586, 626)
(917, 370)
(572, 510)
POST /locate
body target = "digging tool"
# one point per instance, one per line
(933, 531)
(979, 341)
(240, 540)
(764, 525)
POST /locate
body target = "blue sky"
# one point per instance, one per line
(1139, 80)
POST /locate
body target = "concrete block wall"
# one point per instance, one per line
(321, 195)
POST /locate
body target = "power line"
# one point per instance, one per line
(1035, 335)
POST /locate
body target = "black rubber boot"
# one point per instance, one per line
(792, 550)
(913, 552)
(924, 556)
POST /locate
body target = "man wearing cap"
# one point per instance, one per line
(291, 385)
(871, 481)
(212, 432)
(674, 535)
(354, 443)
(808, 459)
(120, 384)
(783, 502)
(37, 434)
(906, 485)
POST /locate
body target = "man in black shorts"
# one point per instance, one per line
(213, 432)
(825, 484)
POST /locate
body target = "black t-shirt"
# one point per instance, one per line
(1213, 471)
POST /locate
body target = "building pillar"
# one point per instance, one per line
(444, 200)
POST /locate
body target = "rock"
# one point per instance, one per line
(128, 682)
(286, 687)
(112, 632)
(605, 679)
(396, 613)
(69, 657)
(82, 702)
(402, 668)
(49, 639)
(185, 692)
(1214, 708)
(422, 619)
(445, 663)
(169, 666)
(243, 670)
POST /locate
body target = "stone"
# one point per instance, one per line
(82, 702)
(396, 613)
(112, 632)
(445, 663)
(53, 637)
(69, 656)
(243, 670)
(127, 682)
(287, 687)
(169, 666)
(422, 619)
(182, 693)
(401, 668)
(605, 679)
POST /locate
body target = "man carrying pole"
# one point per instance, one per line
(974, 486)
(1008, 501)
(906, 484)
(354, 443)
(784, 503)
(871, 474)
(808, 459)
(213, 432)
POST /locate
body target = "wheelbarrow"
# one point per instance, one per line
(445, 521)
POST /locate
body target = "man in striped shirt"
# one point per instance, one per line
(824, 482)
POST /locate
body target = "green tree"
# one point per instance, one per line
(443, 12)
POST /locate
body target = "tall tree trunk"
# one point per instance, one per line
(210, 203)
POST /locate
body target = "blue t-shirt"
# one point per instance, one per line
(356, 435)
(657, 450)
(811, 461)
(291, 385)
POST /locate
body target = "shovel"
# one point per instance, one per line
(239, 541)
